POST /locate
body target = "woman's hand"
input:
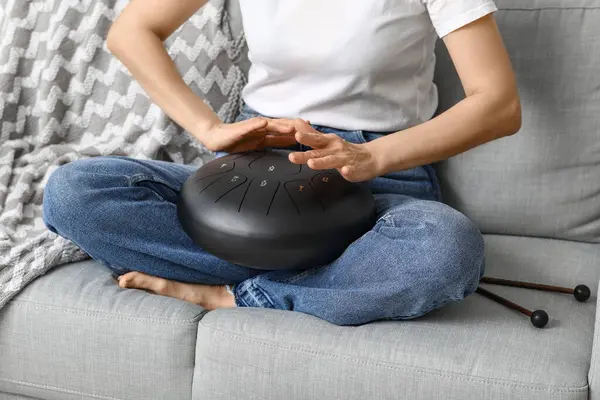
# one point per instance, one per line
(252, 134)
(356, 162)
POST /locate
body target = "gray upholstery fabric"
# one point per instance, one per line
(594, 375)
(476, 349)
(75, 334)
(9, 396)
(544, 181)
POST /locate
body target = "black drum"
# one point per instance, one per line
(259, 210)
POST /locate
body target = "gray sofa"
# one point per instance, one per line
(73, 334)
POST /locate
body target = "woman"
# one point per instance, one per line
(361, 72)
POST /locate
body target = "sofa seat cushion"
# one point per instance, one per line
(476, 349)
(74, 333)
(10, 396)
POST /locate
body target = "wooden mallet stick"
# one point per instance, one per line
(580, 292)
(539, 318)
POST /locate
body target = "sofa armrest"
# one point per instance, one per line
(594, 375)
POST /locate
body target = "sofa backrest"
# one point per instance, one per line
(544, 181)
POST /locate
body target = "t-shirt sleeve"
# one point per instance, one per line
(450, 15)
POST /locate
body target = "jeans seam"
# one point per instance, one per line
(434, 305)
(250, 290)
(300, 275)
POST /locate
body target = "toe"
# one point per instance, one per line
(138, 280)
(125, 280)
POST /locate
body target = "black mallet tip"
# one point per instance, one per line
(581, 293)
(539, 318)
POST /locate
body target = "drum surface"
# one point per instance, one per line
(259, 210)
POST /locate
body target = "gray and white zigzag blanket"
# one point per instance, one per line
(64, 97)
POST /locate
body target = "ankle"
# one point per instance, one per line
(214, 297)
(226, 296)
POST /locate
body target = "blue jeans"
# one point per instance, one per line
(420, 255)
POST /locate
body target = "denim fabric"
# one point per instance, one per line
(420, 255)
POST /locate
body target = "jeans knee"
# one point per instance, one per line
(463, 247)
(63, 196)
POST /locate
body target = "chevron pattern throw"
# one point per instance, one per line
(64, 97)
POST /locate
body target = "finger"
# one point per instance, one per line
(302, 157)
(350, 173)
(270, 129)
(314, 139)
(286, 121)
(298, 124)
(328, 162)
(293, 122)
(276, 126)
(250, 125)
(304, 126)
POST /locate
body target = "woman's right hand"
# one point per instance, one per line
(137, 39)
(251, 134)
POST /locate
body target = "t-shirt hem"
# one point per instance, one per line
(466, 18)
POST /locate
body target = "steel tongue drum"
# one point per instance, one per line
(259, 210)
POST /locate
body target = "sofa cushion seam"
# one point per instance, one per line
(384, 364)
(190, 321)
(57, 389)
(595, 349)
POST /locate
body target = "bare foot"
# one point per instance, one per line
(207, 296)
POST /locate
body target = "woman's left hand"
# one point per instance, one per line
(356, 162)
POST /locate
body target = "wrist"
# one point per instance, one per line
(204, 126)
(379, 155)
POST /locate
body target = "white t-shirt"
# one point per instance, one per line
(349, 64)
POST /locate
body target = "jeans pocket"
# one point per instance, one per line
(163, 190)
(360, 137)
(355, 137)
